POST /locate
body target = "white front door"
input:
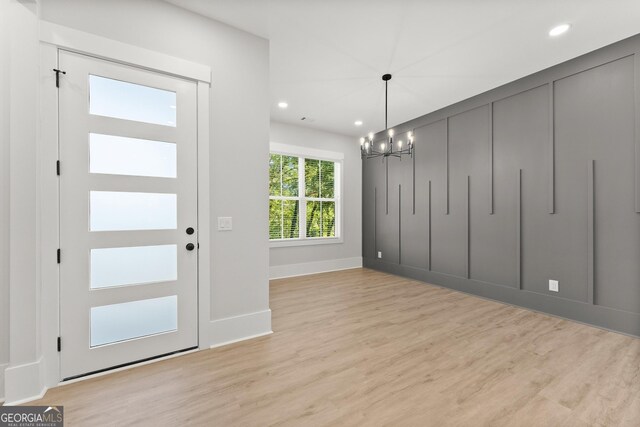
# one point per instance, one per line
(128, 220)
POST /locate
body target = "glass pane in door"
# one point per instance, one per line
(135, 319)
(118, 155)
(130, 101)
(119, 210)
(133, 265)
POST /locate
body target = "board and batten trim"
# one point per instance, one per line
(448, 165)
(636, 74)
(413, 181)
(552, 150)
(386, 186)
(591, 211)
(467, 212)
(399, 223)
(429, 226)
(614, 316)
(375, 222)
(491, 189)
(519, 230)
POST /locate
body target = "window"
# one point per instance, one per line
(304, 202)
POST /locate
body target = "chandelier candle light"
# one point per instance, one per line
(385, 149)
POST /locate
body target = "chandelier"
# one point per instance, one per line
(386, 148)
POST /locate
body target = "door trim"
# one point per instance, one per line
(115, 51)
(52, 39)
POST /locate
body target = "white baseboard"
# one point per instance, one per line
(3, 366)
(222, 344)
(303, 269)
(23, 383)
(239, 328)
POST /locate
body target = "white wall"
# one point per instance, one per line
(20, 117)
(295, 260)
(239, 115)
(4, 191)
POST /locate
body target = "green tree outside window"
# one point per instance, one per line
(318, 199)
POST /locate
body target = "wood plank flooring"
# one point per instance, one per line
(360, 347)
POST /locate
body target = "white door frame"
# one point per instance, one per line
(52, 38)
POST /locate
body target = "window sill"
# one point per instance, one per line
(305, 242)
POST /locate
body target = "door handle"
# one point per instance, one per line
(190, 231)
(190, 246)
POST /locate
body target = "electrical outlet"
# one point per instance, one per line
(380, 254)
(553, 285)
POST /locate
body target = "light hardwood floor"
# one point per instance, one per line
(360, 347)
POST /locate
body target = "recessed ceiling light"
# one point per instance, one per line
(282, 104)
(559, 29)
(358, 123)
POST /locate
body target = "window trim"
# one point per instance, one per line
(303, 153)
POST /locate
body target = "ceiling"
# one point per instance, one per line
(328, 56)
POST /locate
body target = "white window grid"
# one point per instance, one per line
(303, 199)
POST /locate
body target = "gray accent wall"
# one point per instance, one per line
(533, 181)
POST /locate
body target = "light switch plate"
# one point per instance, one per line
(553, 285)
(380, 254)
(225, 223)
